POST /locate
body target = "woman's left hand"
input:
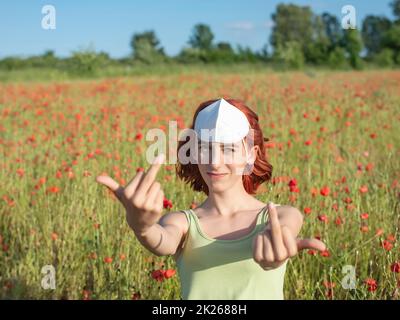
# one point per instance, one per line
(276, 243)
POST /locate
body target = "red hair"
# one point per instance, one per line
(262, 169)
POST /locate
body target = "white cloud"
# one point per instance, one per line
(267, 24)
(241, 25)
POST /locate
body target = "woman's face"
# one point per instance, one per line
(222, 165)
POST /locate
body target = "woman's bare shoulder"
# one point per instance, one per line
(175, 218)
(285, 207)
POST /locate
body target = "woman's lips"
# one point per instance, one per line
(216, 175)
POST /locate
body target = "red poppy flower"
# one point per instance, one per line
(293, 186)
(86, 294)
(136, 296)
(325, 253)
(167, 204)
(53, 189)
(325, 191)
(323, 218)
(292, 183)
(169, 273)
(372, 284)
(108, 260)
(338, 221)
(158, 275)
(395, 267)
(20, 172)
(193, 205)
(391, 238)
(364, 215)
(387, 245)
(329, 285)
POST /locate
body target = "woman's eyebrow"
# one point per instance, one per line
(226, 145)
(204, 144)
(229, 145)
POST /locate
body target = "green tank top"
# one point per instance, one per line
(224, 269)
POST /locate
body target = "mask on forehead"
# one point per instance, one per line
(222, 122)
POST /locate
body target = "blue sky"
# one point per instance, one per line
(109, 25)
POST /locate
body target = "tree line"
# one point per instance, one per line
(299, 37)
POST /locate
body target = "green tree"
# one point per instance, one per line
(391, 40)
(337, 58)
(46, 60)
(395, 4)
(87, 61)
(263, 54)
(289, 55)
(201, 37)
(316, 35)
(385, 58)
(146, 48)
(245, 54)
(223, 52)
(373, 31)
(318, 49)
(12, 63)
(333, 30)
(353, 45)
(192, 55)
(292, 24)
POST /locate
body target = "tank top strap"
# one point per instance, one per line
(265, 215)
(189, 219)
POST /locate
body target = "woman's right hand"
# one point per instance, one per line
(142, 197)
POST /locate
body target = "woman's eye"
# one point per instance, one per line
(229, 150)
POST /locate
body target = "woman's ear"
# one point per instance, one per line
(252, 156)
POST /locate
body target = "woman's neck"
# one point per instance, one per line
(229, 201)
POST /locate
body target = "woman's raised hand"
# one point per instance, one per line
(276, 243)
(142, 197)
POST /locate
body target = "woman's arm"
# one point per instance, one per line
(278, 241)
(164, 237)
(142, 199)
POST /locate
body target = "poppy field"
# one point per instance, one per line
(334, 144)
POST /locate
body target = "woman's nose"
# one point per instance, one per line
(212, 156)
(217, 156)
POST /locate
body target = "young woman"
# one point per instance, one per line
(231, 246)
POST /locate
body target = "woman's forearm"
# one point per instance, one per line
(156, 240)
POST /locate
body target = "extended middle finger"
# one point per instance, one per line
(149, 177)
(276, 232)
